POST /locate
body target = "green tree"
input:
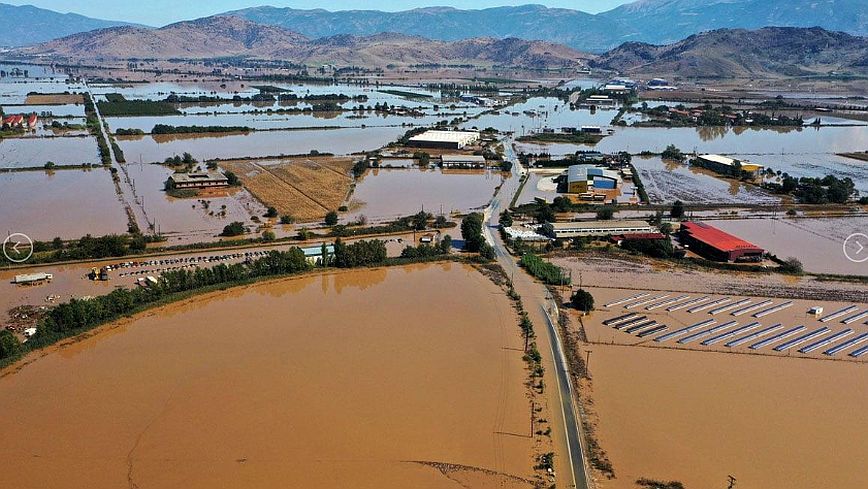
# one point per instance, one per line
(471, 232)
(420, 220)
(486, 251)
(677, 211)
(545, 213)
(506, 219)
(9, 344)
(286, 219)
(271, 212)
(582, 300)
(331, 218)
(445, 244)
(605, 213)
(268, 235)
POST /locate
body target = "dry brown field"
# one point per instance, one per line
(55, 99)
(305, 187)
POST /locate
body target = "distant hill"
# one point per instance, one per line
(737, 53)
(232, 36)
(28, 25)
(532, 22)
(665, 21)
(651, 21)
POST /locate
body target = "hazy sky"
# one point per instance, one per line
(161, 12)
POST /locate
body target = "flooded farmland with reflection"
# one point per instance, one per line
(541, 112)
(799, 151)
(189, 217)
(266, 121)
(667, 181)
(196, 394)
(35, 152)
(387, 193)
(65, 203)
(817, 243)
(258, 144)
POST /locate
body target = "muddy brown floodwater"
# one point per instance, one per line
(698, 417)
(337, 380)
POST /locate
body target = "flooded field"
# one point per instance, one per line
(257, 144)
(39, 204)
(667, 181)
(65, 110)
(187, 407)
(801, 152)
(34, 152)
(817, 243)
(698, 417)
(271, 121)
(188, 216)
(541, 112)
(388, 193)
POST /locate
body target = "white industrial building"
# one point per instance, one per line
(444, 139)
(599, 228)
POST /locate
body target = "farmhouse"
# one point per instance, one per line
(462, 161)
(200, 179)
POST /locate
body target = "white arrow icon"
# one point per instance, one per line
(12, 242)
(854, 247)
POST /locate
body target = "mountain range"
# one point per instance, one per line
(649, 21)
(30, 25)
(740, 53)
(224, 36)
(723, 53)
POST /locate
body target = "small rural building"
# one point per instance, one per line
(582, 178)
(444, 139)
(592, 129)
(727, 166)
(599, 228)
(715, 244)
(207, 179)
(462, 161)
(599, 100)
(616, 89)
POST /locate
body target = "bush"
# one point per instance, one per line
(487, 252)
(234, 229)
(655, 248)
(287, 219)
(271, 212)
(543, 270)
(605, 213)
(792, 265)
(331, 218)
(268, 236)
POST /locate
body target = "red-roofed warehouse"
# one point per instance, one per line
(715, 244)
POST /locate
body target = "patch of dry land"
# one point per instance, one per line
(306, 187)
(54, 99)
(334, 380)
(696, 413)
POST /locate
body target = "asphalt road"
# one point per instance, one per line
(539, 299)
